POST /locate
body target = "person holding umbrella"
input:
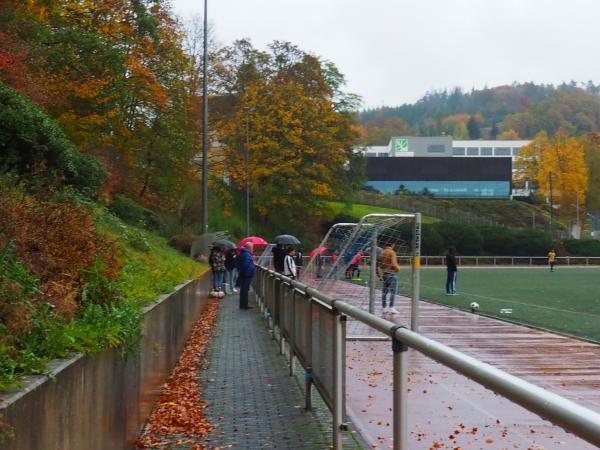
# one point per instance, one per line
(245, 266)
(279, 252)
(231, 266)
(217, 265)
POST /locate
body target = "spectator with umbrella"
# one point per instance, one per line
(289, 264)
(282, 242)
(217, 265)
(231, 267)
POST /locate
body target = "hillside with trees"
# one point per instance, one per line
(518, 111)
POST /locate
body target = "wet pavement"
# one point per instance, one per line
(447, 410)
(252, 400)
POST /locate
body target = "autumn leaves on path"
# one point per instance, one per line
(178, 419)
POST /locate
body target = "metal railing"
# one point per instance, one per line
(313, 324)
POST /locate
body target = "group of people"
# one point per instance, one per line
(238, 263)
(287, 260)
(388, 270)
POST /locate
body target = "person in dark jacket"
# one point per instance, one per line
(245, 264)
(231, 266)
(217, 265)
(452, 272)
(279, 253)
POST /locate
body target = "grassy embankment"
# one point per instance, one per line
(149, 268)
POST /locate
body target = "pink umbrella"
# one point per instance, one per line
(319, 250)
(255, 240)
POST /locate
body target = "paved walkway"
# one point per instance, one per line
(252, 401)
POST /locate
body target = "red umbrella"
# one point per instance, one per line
(319, 250)
(255, 240)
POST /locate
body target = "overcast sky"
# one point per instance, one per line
(394, 51)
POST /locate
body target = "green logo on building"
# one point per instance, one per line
(400, 145)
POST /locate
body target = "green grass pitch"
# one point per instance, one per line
(566, 300)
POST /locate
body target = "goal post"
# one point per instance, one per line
(344, 264)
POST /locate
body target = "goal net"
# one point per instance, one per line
(345, 264)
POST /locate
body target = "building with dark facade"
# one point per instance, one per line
(473, 169)
(442, 177)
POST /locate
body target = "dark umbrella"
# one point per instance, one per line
(224, 243)
(286, 239)
(378, 251)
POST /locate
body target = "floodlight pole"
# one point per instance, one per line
(248, 110)
(551, 200)
(205, 125)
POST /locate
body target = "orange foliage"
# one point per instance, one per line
(56, 241)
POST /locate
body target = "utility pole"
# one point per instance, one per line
(205, 125)
(551, 207)
(577, 203)
(248, 110)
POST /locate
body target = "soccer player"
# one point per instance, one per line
(551, 259)
(452, 271)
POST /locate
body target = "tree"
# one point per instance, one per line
(561, 162)
(494, 132)
(300, 137)
(508, 135)
(473, 128)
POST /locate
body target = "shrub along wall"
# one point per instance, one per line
(102, 401)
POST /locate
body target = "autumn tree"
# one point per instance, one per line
(557, 163)
(116, 79)
(299, 129)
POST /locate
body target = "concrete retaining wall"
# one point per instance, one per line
(102, 401)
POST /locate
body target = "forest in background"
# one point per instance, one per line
(518, 111)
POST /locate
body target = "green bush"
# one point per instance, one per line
(432, 243)
(466, 239)
(583, 247)
(135, 214)
(183, 242)
(497, 241)
(531, 243)
(30, 141)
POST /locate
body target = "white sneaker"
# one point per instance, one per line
(385, 310)
(394, 311)
(235, 290)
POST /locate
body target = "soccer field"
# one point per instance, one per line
(566, 300)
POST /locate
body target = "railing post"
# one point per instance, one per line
(416, 274)
(292, 332)
(400, 401)
(308, 374)
(308, 382)
(338, 379)
(373, 277)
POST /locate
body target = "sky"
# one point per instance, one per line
(394, 51)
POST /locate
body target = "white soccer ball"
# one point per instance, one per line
(474, 306)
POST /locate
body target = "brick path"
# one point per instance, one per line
(252, 400)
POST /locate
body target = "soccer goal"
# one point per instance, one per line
(345, 264)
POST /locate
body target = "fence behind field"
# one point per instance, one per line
(509, 260)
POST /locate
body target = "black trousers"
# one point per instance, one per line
(244, 288)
